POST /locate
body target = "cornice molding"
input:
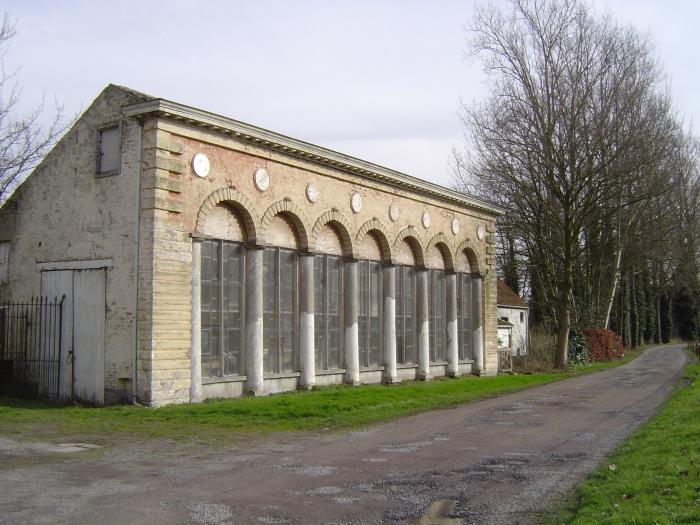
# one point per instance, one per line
(289, 146)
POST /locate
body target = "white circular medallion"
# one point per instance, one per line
(455, 226)
(425, 219)
(480, 232)
(261, 179)
(312, 192)
(356, 202)
(394, 212)
(200, 165)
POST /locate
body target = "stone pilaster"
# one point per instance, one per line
(423, 321)
(164, 337)
(389, 290)
(196, 337)
(306, 322)
(452, 326)
(352, 351)
(254, 321)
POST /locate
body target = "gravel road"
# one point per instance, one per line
(495, 461)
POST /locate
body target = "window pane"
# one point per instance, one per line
(335, 297)
(440, 327)
(211, 320)
(375, 301)
(400, 324)
(410, 307)
(233, 289)
(270, 332)
(464, 304)
(362, 312)
(110, 146)
(320, 321)
(287, 313)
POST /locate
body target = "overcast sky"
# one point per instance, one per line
(379, 80)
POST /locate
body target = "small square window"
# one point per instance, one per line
(109, 151)
(522, 317)
(4, 262)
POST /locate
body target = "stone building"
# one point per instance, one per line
(513, 319)
(204, 257)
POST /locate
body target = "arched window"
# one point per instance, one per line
(437, 304)
(406, 333)
(222, 278)
(280, 298)
(369, 284)
(464, 307)
(328, 300)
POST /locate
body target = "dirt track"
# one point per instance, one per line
(494, 461)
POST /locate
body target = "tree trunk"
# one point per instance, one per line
(564, 326)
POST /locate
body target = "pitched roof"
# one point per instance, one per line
(507, 297)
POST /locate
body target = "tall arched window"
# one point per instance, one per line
(328, 300)
(280, 298)
(369, 284)
(406, 333)
(464, 307)
(437, 304)
(222, 278)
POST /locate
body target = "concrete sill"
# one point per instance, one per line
(105, 174)
(373, 369)
(282, 375)
(335, 372)
(467, 362)
(223, 379)
(439, 363)
(401, 367)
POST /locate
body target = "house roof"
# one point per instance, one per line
(290, 146)
(502, 323)
(507, 297)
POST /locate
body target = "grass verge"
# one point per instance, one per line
(654, 476)
(333, 408)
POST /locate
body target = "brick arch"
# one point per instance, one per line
(411, 234)
(468, 247)
(238, 202)
(342, 225)
(376, 226)
(443, 245)
(296, 216)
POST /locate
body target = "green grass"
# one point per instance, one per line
(654, 476)
(331, 408)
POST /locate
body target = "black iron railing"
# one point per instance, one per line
(31, 347)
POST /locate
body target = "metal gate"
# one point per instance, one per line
(31, 347)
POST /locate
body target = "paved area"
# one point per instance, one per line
(494, 461)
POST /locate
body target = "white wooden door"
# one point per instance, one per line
(54, 285)
(84, 329)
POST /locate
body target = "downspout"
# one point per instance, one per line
(137, 238)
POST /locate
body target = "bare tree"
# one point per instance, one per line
(24, 138)
(575, 122)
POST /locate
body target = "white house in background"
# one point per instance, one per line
(513, 318)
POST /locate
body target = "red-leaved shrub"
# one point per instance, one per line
(603, 344)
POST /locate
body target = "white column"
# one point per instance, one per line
(422, 313)
(389, 290)
(306, 321)
(196, 324)
(477, 323)
(452, 325)
(254, 321)
(352, 352)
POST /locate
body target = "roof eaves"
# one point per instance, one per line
(305, 150)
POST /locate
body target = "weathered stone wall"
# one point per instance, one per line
(64, 212)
